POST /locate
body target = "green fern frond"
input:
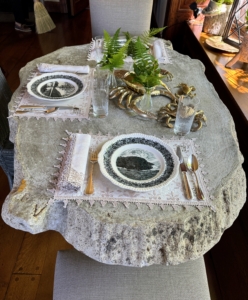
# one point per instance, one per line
(111, 45)
(113, 53)
(127, 35)
(146, 67)
(124, 48)
(130, 49)
(155, 31)
(117, 60)
(145, 37)
(140, 50)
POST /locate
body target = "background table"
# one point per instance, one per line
(117, 235)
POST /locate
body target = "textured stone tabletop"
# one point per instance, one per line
(118, 235)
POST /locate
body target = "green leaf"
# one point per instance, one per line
(145, 37)
(113, 53)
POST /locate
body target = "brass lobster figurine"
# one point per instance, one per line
(130, 94)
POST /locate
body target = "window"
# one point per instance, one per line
(236, 23)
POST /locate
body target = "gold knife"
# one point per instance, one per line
(44, 106)
(183, 168)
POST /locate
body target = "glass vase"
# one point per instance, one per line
(111, 80)
(145, 103)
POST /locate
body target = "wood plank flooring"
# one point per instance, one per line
(27, 261)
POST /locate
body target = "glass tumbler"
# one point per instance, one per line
(185, 115)
(101, 95)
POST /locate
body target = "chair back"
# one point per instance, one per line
(5, 96)
(133, 16)
(6, 147)
(80, 277)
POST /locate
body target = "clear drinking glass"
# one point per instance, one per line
(101, 95)
(185, 115)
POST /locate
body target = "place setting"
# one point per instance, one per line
(57, 91)
(130, 168)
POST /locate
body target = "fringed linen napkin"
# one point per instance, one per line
(73, 167)
(63, 68)
(96, 50)
(159, 51)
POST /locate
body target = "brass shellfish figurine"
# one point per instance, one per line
(167, 116)
(129, 95)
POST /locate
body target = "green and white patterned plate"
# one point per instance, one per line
(138, 162)
(55, 86)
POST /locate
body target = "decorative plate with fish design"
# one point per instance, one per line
(138, 162)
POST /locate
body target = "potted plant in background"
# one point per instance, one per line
(243, 51)
(246, 17)
(214, 7)
(228, 4)
(216, 15)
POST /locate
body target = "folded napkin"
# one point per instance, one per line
(158, 49)
(73, 167)
(160, 52)
(97, 43)
(63, 68)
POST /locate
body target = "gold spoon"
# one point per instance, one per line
(192, 165)
(46, 111)
(50, 110)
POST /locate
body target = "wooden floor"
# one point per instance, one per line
(27, 261)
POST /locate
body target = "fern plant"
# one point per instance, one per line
(246, 17)
(147, 35)
(113, 53)
(146, 67)
(145, 39)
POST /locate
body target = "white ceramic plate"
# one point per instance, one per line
(55, 86)
(138, 162)
(220, 45)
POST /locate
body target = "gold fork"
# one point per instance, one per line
(90, 186)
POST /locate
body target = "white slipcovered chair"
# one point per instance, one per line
(129, 15)
(6, 147)
(78, 277)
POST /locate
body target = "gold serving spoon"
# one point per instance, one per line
(45, 111)
(50, 110)
(192, 165)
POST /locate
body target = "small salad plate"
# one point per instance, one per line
(138, 162)
(217, 43)
(55, 86)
